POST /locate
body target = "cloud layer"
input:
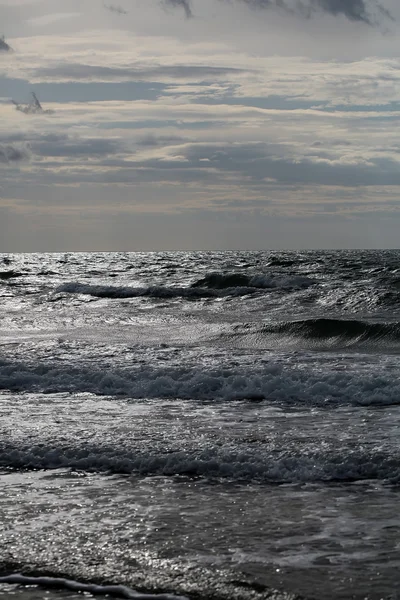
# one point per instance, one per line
(354, 10)
(248, 125)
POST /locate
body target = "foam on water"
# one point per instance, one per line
(232, 441)
(253, 463)
(119, 591)
(258, 280)
(271, 382)
(212, 286)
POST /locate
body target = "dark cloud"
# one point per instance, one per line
(96, 72)
(115, 9)
(261, 161)
(10, 153)
(4, 47)
(64, 146)
(185, 4)
(353, 10)
(259, 166)
(33, 108)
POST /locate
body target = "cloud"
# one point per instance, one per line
(115, 9)
(65, 146)
(353, 10)
(10, 153)
(76, 72)
(263, 164)
(34, 108)
(185, 4)
(152, 141)
(4, 47)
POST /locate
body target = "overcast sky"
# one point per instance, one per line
(199, 124)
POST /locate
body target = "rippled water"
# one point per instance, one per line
(202, 423)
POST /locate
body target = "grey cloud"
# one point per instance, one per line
(260, 165)
(63, 146)
(4, 47)
(33, 108)
(152, 141)
(353, 10)
(99, 73)
(10, 138)
(185, 4)
(10, 153)
(261, 161)
(115, 9)
(329, 143)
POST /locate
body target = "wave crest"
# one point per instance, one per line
(271, 383)
(120, 591)
(246, 464)
(347, 330)
(261, 280)
(211, 286)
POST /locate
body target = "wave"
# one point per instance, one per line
(109, 291)
(119, 591)
(211, 286)
(5, 275)
(318, 334)
(247, 463)
(270, 383)
(346, 330)
(261, 280)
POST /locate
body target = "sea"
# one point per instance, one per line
(200, 425)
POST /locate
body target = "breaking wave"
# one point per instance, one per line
(271, 383)
(263, 281)
(346, 330)
(110, 291)
(249, 463)
(120, 591)
(5, 275)
(213, 285)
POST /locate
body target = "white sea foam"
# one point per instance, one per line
(119, 591)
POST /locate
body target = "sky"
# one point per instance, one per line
(199, 125)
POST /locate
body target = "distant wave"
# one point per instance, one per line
(261, 280)
(110, 291)
(270, 383)
(211, 286)
(251, 462)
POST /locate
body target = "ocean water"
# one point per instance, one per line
(200, 425)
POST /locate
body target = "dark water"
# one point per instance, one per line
(202, 424)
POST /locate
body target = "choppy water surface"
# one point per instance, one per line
(201, 424)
